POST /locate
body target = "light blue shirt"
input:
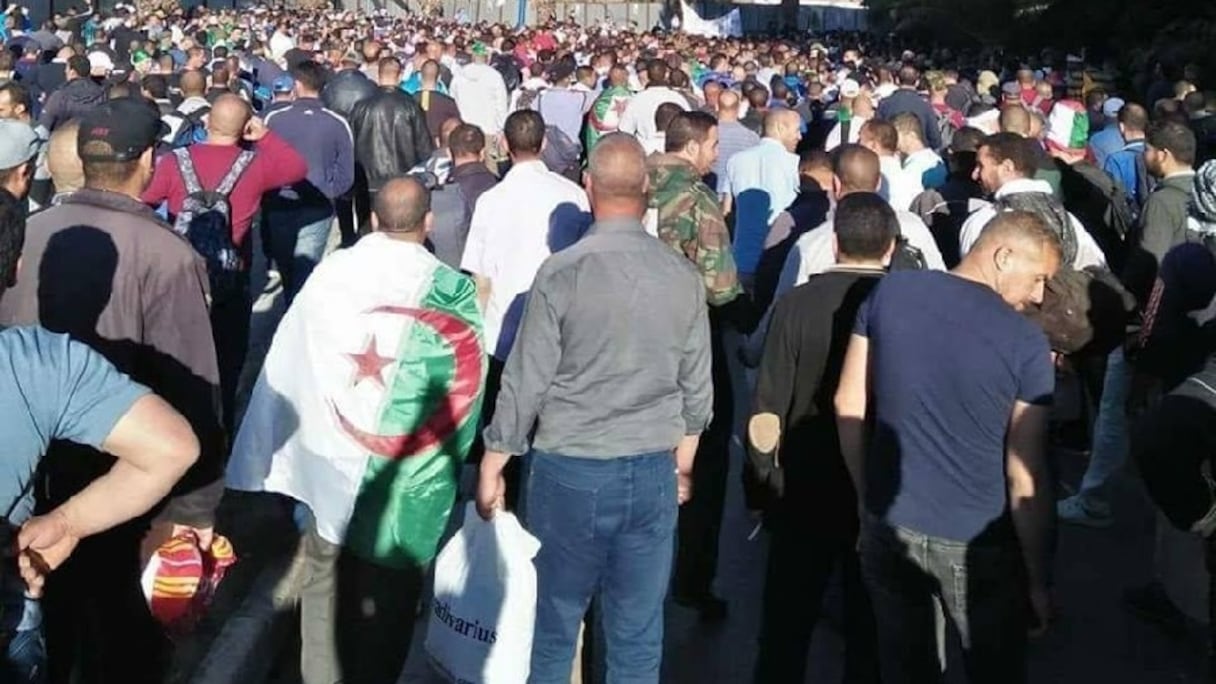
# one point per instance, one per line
(50, 388)
(763, 181)
(1105, 143)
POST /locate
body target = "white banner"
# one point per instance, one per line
(729, 24)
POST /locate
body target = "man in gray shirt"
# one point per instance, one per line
(612, 365)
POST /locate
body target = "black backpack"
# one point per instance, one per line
(562, 155)
(206, 221)
(192, 128)
(907, 257)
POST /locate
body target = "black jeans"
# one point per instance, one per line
(801, 561)
(979, 588)
(230, 329)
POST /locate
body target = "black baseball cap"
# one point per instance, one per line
(119, 130)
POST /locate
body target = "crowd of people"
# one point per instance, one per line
(571, 256)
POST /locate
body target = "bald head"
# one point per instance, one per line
(67, 171)
(857, 169)
(1015, 119)
(728, 105)
(616, 174)
(193, 83)
(402, 206)
(784, 125)
(228, 117)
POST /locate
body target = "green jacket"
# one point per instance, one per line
(691, 222)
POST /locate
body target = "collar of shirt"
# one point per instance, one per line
(1022, 185)
(1180, 174)
(776, 143)
(524, 167)
(618, 225)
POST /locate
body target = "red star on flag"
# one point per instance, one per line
(619, 106)
(369, 363)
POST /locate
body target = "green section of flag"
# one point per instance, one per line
(402, 506)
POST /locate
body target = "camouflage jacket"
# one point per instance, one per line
(691, 222)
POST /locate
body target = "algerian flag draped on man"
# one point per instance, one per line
(369, 400)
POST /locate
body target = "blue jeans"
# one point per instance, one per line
(1110, 427)
(297, 242)
(922, 587)
(25, 660)
(606, 529)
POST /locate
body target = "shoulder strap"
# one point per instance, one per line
(243, 160)
(185, 166)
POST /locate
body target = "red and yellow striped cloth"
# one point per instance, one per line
(181, 579)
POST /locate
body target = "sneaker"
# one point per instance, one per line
(273, 280)
(1078, 510)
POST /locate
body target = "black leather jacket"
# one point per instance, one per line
(345, 89)
(390, 135)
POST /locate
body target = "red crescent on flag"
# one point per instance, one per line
(452, 411)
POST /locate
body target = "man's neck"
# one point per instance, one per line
(130, 192)
(461, 161)
(416, 237)
(517, 159)
(844, 263)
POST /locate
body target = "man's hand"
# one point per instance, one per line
(1040, 606)
(43, 544)
(683, 487)
(491, 486)
(205, 535)
(255, 129)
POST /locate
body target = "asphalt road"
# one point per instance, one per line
(1094, 638)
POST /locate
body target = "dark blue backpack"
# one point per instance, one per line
(206, 221)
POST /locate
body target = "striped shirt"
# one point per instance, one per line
(732, 137)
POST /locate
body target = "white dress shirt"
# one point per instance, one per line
(638, 117)
(833, 141)
(814, 253)
(516, 225)
(899, 187)
(1088, 251)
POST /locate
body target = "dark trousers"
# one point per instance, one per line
(230, 329)
(801, 562)
(512, 473)
(981, 592)
(356, 618)
(701, 517)
(97, 620)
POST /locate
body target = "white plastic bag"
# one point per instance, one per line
(484, 606)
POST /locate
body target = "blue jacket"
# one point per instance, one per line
(324, 140)
(1121, 165)
(1105, 143)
